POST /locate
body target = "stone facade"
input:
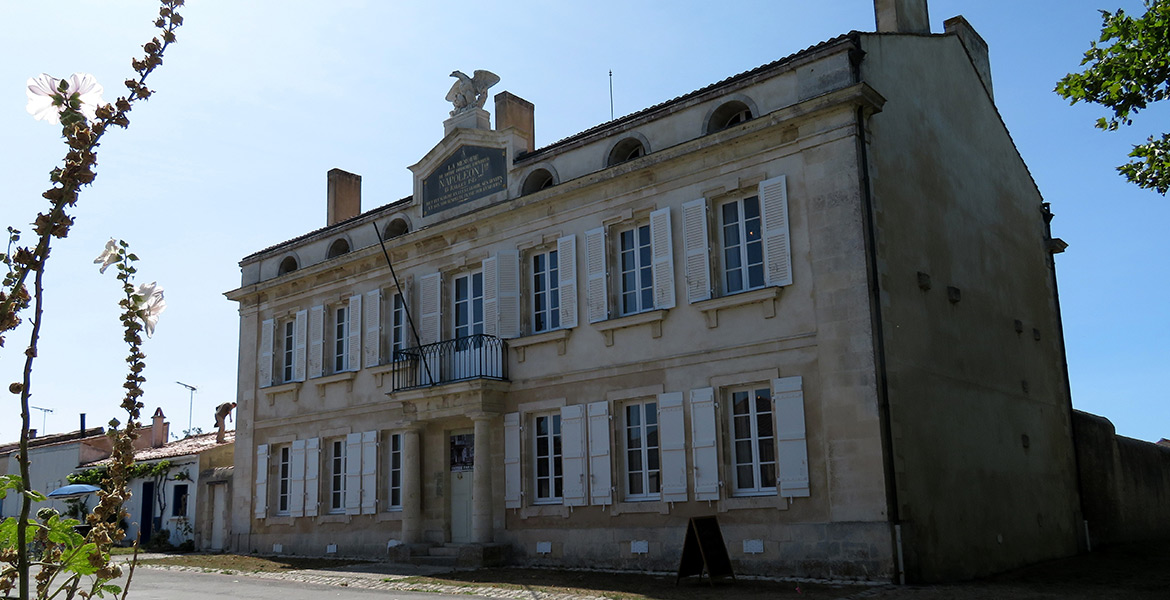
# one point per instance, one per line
(815, 300)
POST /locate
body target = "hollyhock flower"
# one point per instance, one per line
(46, 102)
(108, 256)
(151, 304)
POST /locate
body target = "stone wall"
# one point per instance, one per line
(1125, 483)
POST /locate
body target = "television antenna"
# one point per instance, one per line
(191, 404)
(44, 417)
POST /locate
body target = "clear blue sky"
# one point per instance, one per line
(260, 98)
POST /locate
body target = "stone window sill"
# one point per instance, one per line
(653, 318)
(640, 506)
(338, 518)
(271, 392)
(753, 503)
(544, 510)
(558, 336)
(347, 377)
(393, 514)
(766, 298)
(278, 520)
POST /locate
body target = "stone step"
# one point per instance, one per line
(443, 551)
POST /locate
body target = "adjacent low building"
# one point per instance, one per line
(815, 300)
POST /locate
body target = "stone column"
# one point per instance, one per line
(411, 486)
(481, 482)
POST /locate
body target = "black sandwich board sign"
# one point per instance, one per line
(703, 550)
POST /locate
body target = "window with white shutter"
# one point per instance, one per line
(372, 346)
(671, 422)
(264, 366)
(353, 338)
(753, 441)
(596, 295)
(394, 487)
(312, 479)
(508, 289)
(300, 342)
(512, 477)
(574, 455)
(548, 479)
(696, 244)
(287, 334)
(662, 257)
(369, 472)
(316, 341)
(567, 284)
(704, 449)
(283, 476)
(546, 290)
(489, 301)
(351, 467)
(600, 472)
(429, 309)
(260, 497)
(792, 447)
(777, 245)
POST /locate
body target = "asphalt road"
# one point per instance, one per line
(158, 584)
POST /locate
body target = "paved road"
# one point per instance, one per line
(160, 584)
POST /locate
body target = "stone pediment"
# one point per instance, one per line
(465, 171)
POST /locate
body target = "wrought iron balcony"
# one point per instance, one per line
(473, 357)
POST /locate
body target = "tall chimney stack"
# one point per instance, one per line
(517, 113)
(158, 429)
(344, 199)
(82, 423)
(902, 16)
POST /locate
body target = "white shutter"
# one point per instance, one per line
(512, 460)
(353, 473)
(316, 341)
(491, 296)
(372, 351)
(696, 243)
(704, 451)
(596, 296)
(260, 499)
(430, 291)
(353, 358)
(777, 245)
(508, 265)
(567, 275)
(574, 455)
(296, 479)
(312, 468)
(300, 335)
(672, 440)
(600, 479)
(662, 257)
(369, 472)
(264, 368)
(791, 446)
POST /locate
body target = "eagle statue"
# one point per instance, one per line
(470, 92)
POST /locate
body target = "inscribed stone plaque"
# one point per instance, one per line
(472, 172)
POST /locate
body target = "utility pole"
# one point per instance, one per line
(190, 405)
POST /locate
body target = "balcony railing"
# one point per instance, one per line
(473, 357)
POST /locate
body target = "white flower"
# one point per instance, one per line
(46, 102)
(108, 256)
(150, 303)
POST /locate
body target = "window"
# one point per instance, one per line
(398, 326)
(641, 447)
(179, 500)
(753, 443)
(546, 293)
(337, 248)
(549, 476)
(743, 246)
(289, 337)
(341, 340)
(636, 283)
(395, 486)
(337, 477)
(536, 181)
(283, 476)
(469, 304)
(730, 113)
(288, 265)
(626, 150)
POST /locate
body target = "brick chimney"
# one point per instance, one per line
(516, 112)
(344, 196)
(902, 16)
(159, 429)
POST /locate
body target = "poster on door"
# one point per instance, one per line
(462, 452)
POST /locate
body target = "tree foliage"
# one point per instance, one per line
(1125, 70)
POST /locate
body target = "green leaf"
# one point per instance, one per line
(79, 561)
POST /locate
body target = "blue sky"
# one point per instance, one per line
(259, 99)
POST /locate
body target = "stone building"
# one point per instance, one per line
(815, 300)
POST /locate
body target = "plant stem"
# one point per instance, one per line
(26, 500)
